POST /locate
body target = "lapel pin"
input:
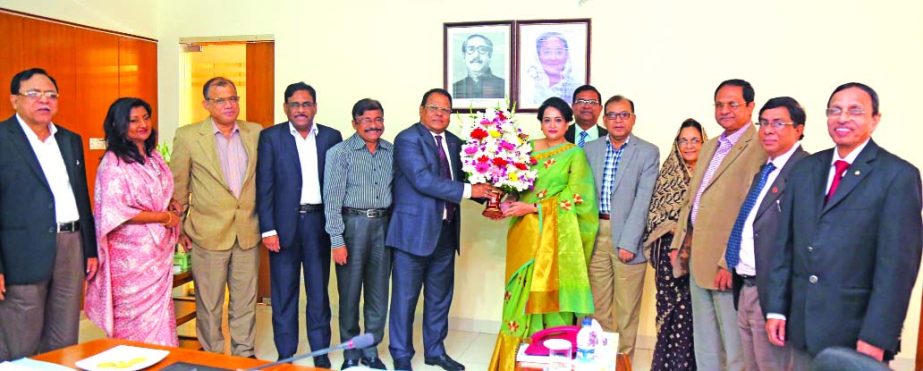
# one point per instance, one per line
(775, 189)
(857, 172)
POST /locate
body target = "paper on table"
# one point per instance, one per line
(30, 364)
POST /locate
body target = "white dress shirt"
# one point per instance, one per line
(445, 148)
(747, 263)
(591, 134)
(307, 157)
(52, 163)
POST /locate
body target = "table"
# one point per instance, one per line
(70, 355)
(622, 363)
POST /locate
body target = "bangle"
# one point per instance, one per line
(169, 218)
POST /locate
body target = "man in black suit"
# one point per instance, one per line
(289, 182)
(46, 224)
(850, 240)
(587, 106)
(752, 239)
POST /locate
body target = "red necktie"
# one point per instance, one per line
(840, 167)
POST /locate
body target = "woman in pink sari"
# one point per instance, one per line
(131, 296)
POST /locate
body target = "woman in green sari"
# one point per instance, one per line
(550, 240)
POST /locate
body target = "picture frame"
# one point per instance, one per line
(478, 60)
(552, 59)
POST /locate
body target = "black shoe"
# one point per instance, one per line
(444, 361)
(402, 365)
(349, 363)
(322, 362)
(374, 363)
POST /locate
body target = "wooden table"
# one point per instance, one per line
(622, 363)
(70, 355)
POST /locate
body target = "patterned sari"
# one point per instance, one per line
(131, 295)
(548, 252)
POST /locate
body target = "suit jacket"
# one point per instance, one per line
(631, 191)
(215, 218)
(488, 86)
(765, 228)
(719, 204)
(570, 134)
(420, 193)
(844, 269)
(278, 177)
(28, 225)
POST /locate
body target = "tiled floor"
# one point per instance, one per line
(472, 349)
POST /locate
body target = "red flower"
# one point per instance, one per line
(549, 162)
(566, 205)
(501, 116)
(578, 200)
(522, 166)
(483, 158)
(532, 160)
(512, 326)
(499, 162)
(479, 134)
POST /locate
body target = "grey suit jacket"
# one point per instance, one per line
(765, 228)
(632, 190)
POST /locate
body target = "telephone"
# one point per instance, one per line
(537, 348)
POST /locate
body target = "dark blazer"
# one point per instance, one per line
(570, 134)
(765, 228)
(28, 228)
(420, 193)
(844, 270)
(489, 86)
(278, 177)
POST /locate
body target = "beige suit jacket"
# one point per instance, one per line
(215, 218)
(719, 205)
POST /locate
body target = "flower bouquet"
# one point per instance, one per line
(497, 152)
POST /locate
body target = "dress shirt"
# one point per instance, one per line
(747, 264)
(591, 134)
(445, 148)
(232, 157)
(307, 157)
(52, 163)
(610, 169)
(358, 179)
(725, 143)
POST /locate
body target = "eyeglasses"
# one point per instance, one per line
(559, 53)
(296, 105)
(589, 102)
(686, 142)
(778, 124)
(624, 115)
(433, 109)
(733, 106)
(36, 95)
(482, 49)
(836, 111)
(366, 120)
(221, 101)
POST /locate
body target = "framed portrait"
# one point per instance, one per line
(553, 60)
(478, 63)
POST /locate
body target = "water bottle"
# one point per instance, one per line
(587, 339)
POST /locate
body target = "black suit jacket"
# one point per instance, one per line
(844, 269)
(278, 177)
(765, 228)
(28, 228)
(571, 132)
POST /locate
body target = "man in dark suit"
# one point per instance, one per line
(289, 180)
(587, 106)
(850, 240)
(424, 230)
(752, 240)
(46, 224)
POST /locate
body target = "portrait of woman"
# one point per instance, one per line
(553, 60)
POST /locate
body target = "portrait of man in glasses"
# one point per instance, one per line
(480, 82)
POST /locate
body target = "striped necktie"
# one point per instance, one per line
(732, 254)
(582, 140)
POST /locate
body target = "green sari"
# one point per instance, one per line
(547, 253)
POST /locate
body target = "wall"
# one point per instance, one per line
(668, 56)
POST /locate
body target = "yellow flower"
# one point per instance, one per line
(514, 176)
(494, 133)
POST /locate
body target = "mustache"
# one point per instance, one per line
(369, 130)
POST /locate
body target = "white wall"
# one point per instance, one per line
(667, 56)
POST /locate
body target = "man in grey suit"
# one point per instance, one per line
(625, 168)
(752, 240)
(850, 240)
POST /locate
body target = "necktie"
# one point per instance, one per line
(840, 167)
(445, 172)
(732, 253)
(582, 140)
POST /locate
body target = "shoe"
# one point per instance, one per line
(322, 362)
(349, 363)
(444, 361)
(374, 363)
(402, 365)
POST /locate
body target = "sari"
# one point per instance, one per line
(548, 252)
(131, 295)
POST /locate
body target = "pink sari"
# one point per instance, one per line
(131, 295)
